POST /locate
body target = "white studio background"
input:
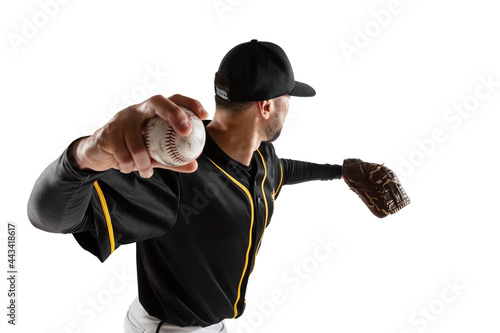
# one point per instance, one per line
(414, 84)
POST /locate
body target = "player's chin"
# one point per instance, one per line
(274, 137)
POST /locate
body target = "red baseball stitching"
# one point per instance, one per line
(172, 149)
(146, 134)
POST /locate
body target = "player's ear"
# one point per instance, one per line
(265, 109)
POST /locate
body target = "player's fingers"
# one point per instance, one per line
(191, 104)
(172, 113)
(188, 168)
(137, 148)
(124, 160)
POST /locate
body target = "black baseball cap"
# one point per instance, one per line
(256, 71)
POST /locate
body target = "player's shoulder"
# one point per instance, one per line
(266, 149)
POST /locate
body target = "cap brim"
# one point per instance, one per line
(302, 90)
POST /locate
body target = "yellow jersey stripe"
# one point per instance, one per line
(249, 236)
(281, 181)
(265, 203)
(106, 216)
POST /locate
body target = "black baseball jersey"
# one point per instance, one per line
(197, 234)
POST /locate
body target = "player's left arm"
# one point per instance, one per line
(377, 186)
(295, 171)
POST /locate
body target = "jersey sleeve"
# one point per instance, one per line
(295, 172)
(60, 197)
(103, 210)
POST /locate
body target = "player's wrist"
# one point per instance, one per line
(76, 155)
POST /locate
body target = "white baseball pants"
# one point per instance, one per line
(138, 320)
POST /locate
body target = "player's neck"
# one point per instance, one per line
(237, 136)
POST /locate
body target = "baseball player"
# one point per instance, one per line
(198, 227)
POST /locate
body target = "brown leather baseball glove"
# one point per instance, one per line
(377, 186)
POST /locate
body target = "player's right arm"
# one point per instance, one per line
(62, 193)
(120, 144)
(61, 196)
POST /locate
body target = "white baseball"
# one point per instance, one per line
(167, 147)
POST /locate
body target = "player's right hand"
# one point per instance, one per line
(120, 145)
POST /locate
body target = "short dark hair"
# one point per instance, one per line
(234, 107)
(222, 104)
